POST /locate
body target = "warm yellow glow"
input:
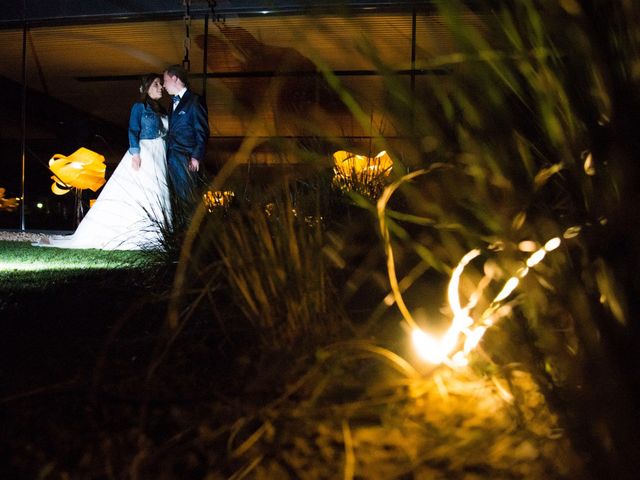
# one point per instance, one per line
(459, 359)
(552, 244)
(360, 173)
(527, 246)
(447, 350)
(536, 257)
(430, 348)
(465, 332)
(522, 272)
(509, 287)
(452, 291)
(589, 165)
(8, 204)
(82, 169)
(347, 163)
(571, 232)
(217, 199)
(473, 338)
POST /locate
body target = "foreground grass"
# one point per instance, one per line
(78, 343)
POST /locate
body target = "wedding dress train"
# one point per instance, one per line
(131, 211)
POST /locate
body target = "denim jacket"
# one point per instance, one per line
(144, 124)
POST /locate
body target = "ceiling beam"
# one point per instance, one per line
(60, 12)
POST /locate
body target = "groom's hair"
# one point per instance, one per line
(180, 72)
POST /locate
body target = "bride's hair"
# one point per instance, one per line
(145, 84)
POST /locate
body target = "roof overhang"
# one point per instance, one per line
(16, 12)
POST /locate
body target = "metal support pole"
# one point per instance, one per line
(205, 57)
(413, 69)
(413, 49)
(24, 124)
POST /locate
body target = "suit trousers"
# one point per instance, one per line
(181, 181)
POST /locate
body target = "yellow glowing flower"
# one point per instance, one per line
(217, 199)
(8, 204)
(82, 169)
(360, 173)
(347, 163)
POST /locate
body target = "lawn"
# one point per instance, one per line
(61, 312)
(58, 305)
(24, 267)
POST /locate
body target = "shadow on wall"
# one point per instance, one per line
(268, 76)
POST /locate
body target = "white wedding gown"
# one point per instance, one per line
(132, 209)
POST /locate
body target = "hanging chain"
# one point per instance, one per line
(186, 63)
(214, 16)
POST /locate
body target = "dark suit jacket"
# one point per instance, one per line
(188, 129)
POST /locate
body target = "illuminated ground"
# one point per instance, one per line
(56, 306)
(18, 257)
(77, 332)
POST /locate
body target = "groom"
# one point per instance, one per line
(187, 136)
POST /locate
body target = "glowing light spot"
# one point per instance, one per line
(589, 165)
(527, 246)
(519, 220)
(536, 258)
(572, 232)
(509, 287)
(389, 300)
(552, 244)
(213, 200)
(428, 347)
(459, 360)
(466, 329)
(39, 205)
(452, 291)
(502, 391)
(473, 338)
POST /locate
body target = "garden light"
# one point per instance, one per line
(360, 173)
(465, 332)
(448, 349)
(82, 169)
(217, 199)
(8, 204)
(347, 163)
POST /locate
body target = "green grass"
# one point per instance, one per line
(25, 267)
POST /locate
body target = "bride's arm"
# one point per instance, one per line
(135, 125)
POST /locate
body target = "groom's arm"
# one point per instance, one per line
(201, 131)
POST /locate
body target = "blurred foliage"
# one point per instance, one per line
(280, 318)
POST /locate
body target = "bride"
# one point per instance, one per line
(133, 208)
